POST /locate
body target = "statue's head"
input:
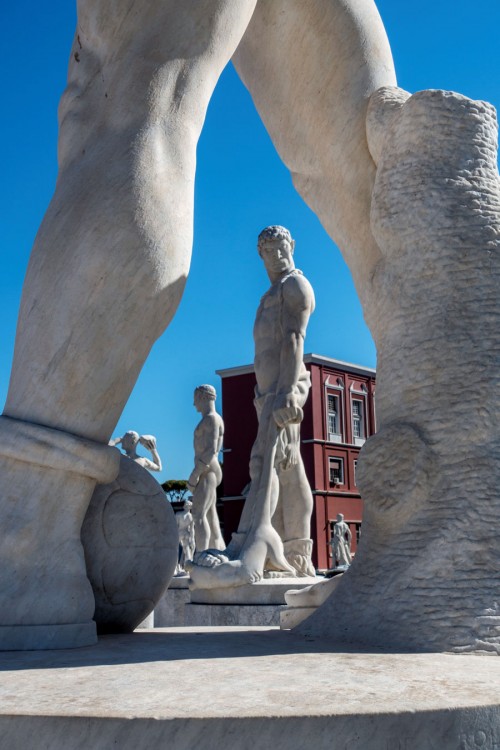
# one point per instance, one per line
(275, 246)
(130, 440)
(188, 504)
(202, 394)
(340, 517)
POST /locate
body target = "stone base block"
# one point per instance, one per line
(40, 637)
(292, 616)
(147, 623)
(254, 604)
(265, 688)
(267, 591)
(169, 612)
(221, 615)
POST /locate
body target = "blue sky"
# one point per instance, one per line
(241, 187)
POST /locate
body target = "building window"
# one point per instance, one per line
(355, 464)
(358, 421)
(336, 470)
(333, 419)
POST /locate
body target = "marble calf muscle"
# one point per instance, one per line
(407, 187)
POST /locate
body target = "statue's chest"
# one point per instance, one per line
(267, 320)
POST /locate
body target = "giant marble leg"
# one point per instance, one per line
(105, 277)
(411, 196)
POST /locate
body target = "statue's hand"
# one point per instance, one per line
(193, 481)
(148, 441)
(292, 453)
(286, 410)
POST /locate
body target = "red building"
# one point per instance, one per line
(338, 417)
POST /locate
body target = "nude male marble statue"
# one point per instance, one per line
(341, 543)
(282, 388)
(408, 188)
(206, 474)
(280, 498)
(129, 443)
(185, 525)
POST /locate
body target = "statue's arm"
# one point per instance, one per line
(207, 447)
(212, 440)
(115, 441)
(298, 303)
(149, 442)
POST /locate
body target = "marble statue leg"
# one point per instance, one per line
(206, 521)
(426, 574)
(105, 277)
(421, 240)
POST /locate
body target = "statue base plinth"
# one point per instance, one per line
(267, 689)
(40, 637)
(255, 604)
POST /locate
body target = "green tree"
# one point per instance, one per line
(175, 489)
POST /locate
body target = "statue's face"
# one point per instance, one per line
(197, 401)
(277, 255)
(130, 440)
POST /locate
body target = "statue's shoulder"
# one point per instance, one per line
(297, 290)
(214, 419)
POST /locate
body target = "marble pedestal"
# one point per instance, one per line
(169, 612)
(264, 688)
(256, 604)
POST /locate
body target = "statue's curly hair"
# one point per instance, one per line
(207, 391)
(273, 232)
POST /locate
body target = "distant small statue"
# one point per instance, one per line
(341, 543)
(129, 443)
(185, 525)
(207, 474)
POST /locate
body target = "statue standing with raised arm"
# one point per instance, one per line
(129, 443)
(207, 474)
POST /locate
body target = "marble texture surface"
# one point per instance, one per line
(425, 575)
(169, 610)
(231, 615)
(141, 691)
(266, 591)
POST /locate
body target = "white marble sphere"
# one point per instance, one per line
(131, 544)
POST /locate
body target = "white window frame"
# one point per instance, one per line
(340, 465)
(333, 437)
(361, 438)
(337, 390)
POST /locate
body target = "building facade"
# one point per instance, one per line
(339, 416)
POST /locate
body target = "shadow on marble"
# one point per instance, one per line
(173, 644)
